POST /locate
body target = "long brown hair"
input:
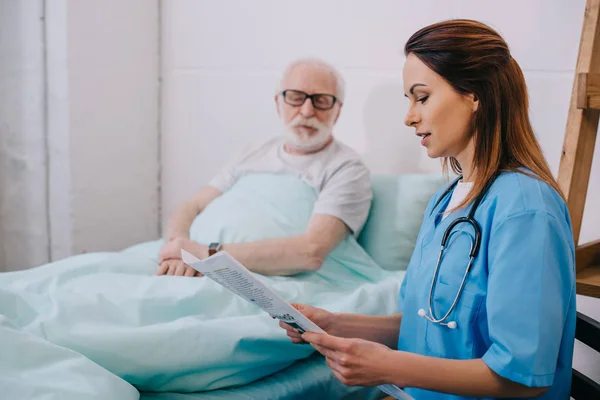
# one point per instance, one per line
(474, 59)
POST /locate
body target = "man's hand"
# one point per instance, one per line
(170, 260)
(176, 268)
(324, 320)
(172, 250)
(355, 362)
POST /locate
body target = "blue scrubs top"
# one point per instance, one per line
(517, 309)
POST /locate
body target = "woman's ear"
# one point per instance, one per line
(474, 102)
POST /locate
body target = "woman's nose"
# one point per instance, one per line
(411, 118)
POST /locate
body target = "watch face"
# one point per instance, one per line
(213, 248)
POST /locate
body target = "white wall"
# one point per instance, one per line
(221, 61)
(79, 95)
(23, 195)
(113, 87)
(79, 156)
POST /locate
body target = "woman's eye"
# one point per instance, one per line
(423, 99)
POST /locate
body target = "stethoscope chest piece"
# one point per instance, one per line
(449, 324)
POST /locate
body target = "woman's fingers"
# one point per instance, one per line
(285, 326)
(329, 353)
(321, 339)
(293, 334)
(288, 328)
(333, 365)
(189, 271)
(341, 377)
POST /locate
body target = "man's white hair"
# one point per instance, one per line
(340, 84)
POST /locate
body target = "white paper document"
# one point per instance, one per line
(229, 273)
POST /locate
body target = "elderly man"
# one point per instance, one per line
(309, 101)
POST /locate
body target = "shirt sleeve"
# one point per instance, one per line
(347, 195)
(530, 284)
(225, 179)
(229, 175)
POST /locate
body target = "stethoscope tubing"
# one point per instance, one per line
(475, 245)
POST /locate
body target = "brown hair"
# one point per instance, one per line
(474, 59)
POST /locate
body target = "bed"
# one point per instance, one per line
(101, 326)
(310, 378)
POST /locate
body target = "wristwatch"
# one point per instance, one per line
(213, 248)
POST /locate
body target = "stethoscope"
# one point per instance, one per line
(475, 244)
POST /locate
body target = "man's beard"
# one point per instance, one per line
(306, 142)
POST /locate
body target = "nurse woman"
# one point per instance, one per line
(487, 305)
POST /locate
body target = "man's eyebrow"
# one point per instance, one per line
(412, 88)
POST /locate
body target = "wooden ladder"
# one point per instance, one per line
(579, 144)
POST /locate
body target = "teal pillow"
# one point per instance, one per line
(399, 202)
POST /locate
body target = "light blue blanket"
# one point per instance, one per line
(93, 325)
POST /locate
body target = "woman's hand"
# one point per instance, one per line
(323, 318)
(355, 362)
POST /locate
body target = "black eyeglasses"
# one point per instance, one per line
(319, 101)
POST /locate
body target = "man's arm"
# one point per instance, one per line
(178, 227)
(181, 219)
(285, 256)
(342, 207)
